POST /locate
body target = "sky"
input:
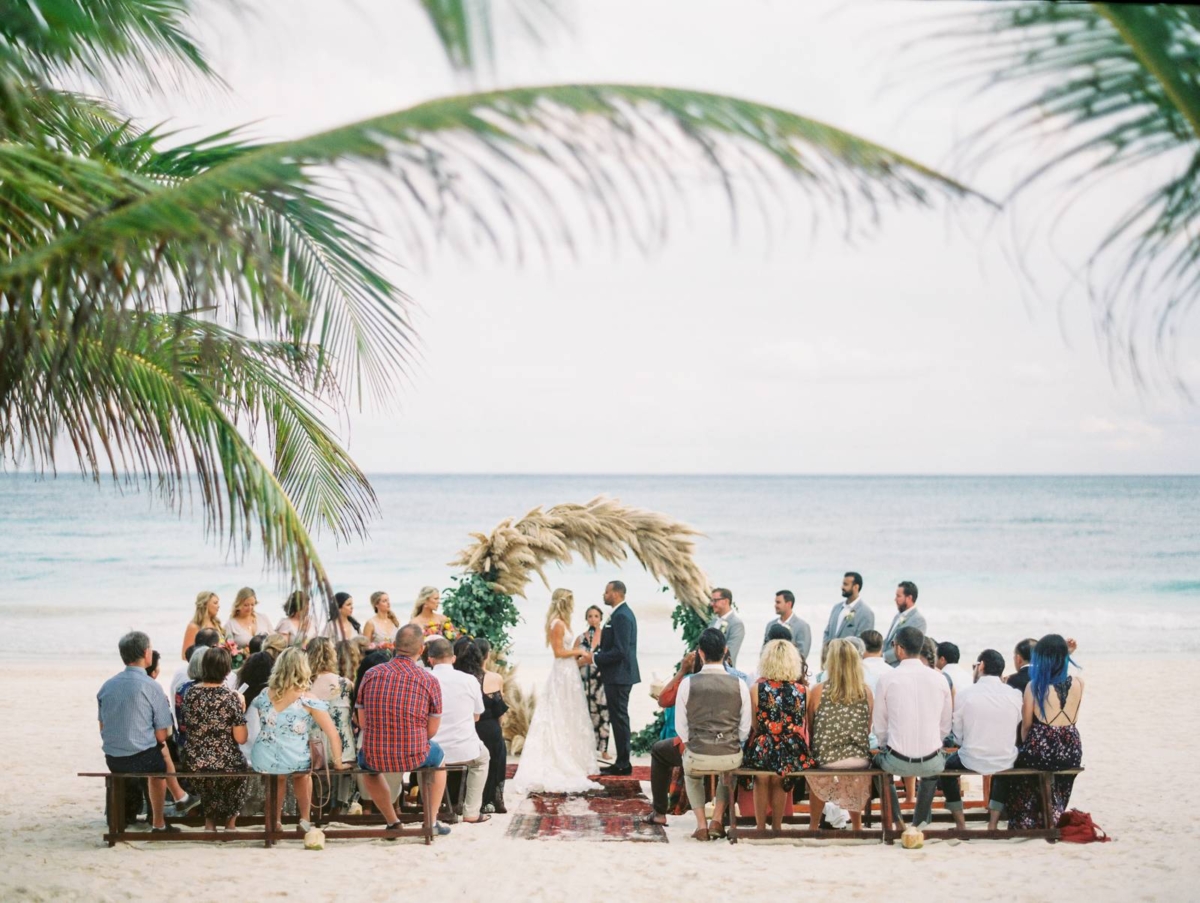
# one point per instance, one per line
(919, 349)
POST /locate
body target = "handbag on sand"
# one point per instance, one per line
(1078, 827)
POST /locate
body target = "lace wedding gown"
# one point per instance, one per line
(560, 748)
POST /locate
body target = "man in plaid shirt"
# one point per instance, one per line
(400, 709)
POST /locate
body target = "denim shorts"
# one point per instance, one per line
(432, 759)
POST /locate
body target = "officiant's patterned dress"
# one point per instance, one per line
(594, 690)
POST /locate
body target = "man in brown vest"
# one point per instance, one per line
(712, 718)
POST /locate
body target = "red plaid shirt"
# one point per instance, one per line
(395, 700)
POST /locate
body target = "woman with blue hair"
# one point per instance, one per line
(1049, 738)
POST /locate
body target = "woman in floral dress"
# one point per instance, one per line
(592, 687)
(216, 721)
(778, 735)
(839, 714)
(335, 691)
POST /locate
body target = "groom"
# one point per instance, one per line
(617, 660)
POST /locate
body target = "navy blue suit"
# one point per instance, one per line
(617, 659)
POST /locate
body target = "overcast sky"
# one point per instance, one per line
(915, 351)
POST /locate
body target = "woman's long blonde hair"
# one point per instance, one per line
(201, 615)
(391, 615)
(844, 681)
(322, 656)
(291, 672)
(562, 603)
(426, 593)
(242, 595)
(781, 661)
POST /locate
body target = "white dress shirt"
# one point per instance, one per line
(913, 711)
(462, 701)
(874, 667)
(845, 610)
(959, 676)
(681, 698)
(986, 715)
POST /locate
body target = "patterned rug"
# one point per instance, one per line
(640, 773)
(614, 813)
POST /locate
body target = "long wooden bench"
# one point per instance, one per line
(361, 826)
(886, 832)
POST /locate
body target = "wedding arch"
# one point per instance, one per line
(502, 564)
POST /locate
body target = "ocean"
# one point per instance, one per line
(1112, 561)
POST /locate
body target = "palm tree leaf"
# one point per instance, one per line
(466, 28)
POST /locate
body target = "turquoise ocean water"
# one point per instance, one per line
(1112, 561)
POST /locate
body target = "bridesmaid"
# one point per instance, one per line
(207, 608)
(297, 624)
(246, 622)
(425, 613)
(342, 625)
(593, 688)
(383, 626)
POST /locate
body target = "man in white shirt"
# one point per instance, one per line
(948, 663)
(986, 716)
(912, 716)
(462, 704)
(874, 666)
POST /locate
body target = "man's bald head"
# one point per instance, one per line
(410, 640)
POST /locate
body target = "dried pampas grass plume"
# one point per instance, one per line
(516, 721)
(602, 529)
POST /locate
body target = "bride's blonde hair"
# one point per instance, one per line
(562, 603)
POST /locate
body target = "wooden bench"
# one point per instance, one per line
(361, 826)
(886, 831)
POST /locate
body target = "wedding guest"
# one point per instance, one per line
(255, 672)
(462, 704)
(929, 660)
(589, 673)
(297, 626)
(727, 621)
(839, 720)
(286, 714)
(1050, 739)
(472, 657)
(208, 607)
(906, 616)
(987, 714)
(184, 802)
(425, 614)
(400, 710)
(850, 617)
(384, 624)
(779, 739)
(801, 633)
(873, 664)
(713, 716)
(1022, 655)
(948, 663)
(336, 692)
(775, 631)
(349, 656)
(246, 621)
(666, 755)
(204, 639)
(134, 721)
(216, 721)
(912, 716)
(195, 669)
(370, 660)
(342, 625)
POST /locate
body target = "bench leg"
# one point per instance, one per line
(114, 789)
(268, 809)
(885, 807)
(1046, 783)
(428, 804)
(729, 781)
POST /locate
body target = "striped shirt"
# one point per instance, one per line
(131, 706)
(395, 702)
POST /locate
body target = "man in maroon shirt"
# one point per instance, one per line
(400, 709)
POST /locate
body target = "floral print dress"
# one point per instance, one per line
(281, 746)
(594, 690)
(211, 714)
(1046, 748)
(779, 741)
(336, 692)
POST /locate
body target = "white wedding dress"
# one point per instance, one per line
(560, 748)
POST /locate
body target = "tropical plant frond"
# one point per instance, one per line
(466, 29)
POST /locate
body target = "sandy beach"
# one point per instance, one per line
(54, 821)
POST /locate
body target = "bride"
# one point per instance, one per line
(560, 748)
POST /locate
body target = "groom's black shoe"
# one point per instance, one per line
(617, 771)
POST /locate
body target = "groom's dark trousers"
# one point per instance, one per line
(617, 696)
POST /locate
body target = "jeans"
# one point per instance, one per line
(951, 786)
(665, 757)
(477, 770)
(887, 762)
(695, 782)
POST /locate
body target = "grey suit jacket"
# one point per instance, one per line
(735, 632)
(864, 620)
(911, 618)
(801, 633)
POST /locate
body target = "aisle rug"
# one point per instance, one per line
(614, 813)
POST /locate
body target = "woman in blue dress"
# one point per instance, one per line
(285, 714)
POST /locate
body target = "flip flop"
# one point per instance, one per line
(479, 820)
(653, 820)
(716, 832)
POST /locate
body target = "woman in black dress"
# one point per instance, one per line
(471, 656)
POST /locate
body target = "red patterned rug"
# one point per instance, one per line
(614, 813)
(640, 773)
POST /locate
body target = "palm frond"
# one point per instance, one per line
(467, 28)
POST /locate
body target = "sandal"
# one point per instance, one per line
(701, 834)
(653, 819)
(477, 820)
(716, 830)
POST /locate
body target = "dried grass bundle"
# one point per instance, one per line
(602, 529)
(516, 721)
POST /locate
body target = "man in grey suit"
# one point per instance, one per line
(906, 616)
(727, 622)
(850, 617)
(785, 601)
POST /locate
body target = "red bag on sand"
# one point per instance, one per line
(1078, 827)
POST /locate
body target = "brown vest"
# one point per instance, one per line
(714, 708)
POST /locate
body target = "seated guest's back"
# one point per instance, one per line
(462, 705)
(1022, 655)
(216, 725)
(873, 663)
(839, 713)
(948, 663)
(336, 692)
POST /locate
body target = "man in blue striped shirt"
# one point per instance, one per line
(134, 721)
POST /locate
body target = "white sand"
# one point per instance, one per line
(52, 822)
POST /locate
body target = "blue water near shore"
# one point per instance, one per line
(1112, 561)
